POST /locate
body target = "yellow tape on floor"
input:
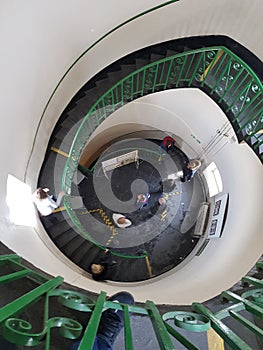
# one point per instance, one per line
(107, 221)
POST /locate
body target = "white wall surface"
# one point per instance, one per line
(188, 114)
(40, 41)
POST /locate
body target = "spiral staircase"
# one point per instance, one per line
(31, 311)
(218, 66)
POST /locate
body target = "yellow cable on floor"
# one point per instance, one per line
(106, 220)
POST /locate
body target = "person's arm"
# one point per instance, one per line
(52, 203)
(107, 257)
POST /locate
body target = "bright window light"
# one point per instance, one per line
(19, 201)
(213, 179)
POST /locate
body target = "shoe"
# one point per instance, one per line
(112, 321)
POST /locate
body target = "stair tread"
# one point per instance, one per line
(141, 62)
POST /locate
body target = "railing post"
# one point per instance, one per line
(91, 330)
(19, 304)
(233, 340)
(162, 335)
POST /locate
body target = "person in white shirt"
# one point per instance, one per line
(45, 203)
(121, 220)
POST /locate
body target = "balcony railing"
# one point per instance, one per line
(15, 316)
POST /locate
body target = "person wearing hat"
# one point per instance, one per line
(190, 169)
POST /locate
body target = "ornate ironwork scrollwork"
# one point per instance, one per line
(245, 99)
(17, 331)
(256, 295)
(255, 88)
(190, 321)
(211, 55)
(236, 65)
(76, 301)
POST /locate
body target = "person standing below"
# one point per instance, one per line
(190, 169)
(167, 185)
(168, 144)
(101, 266)
(44, 202)
(143, 200)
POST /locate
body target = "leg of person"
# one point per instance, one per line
(111, 323)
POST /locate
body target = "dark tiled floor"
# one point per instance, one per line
(166, 238)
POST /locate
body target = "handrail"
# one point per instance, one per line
(15, 326)
(217, 70)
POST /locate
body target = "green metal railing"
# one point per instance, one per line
(171, 325)
(216, 70)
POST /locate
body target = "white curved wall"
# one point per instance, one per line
(40, 41)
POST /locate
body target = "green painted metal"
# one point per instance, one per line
(226, 311)
(188, 320)
(252, 280)
(223, 74)
(249, 305)
(184, 341)
(233, 340)
(15, 262)
(248, 324)
(255, 295)
(163, 338)
(91, 330)
(19, 304)
(6, 259)
(128, 332)
(13, 276)
(74, 300)
(17, 330)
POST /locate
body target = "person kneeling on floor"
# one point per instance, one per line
(121, 221)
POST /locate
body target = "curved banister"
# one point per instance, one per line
(218, 71)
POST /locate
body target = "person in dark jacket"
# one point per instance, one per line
(100, 267)
(159, 206)
(167, 185)
(190, 169)
(168, 144)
